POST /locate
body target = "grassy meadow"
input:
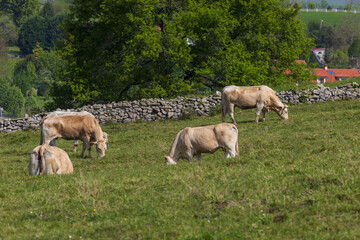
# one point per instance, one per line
(329, 18)
(295, 179)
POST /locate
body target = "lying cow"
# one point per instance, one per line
(46, 159)
(192, 141)
(74, 127)
(262, 98)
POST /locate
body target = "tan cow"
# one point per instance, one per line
(192, 141)
(106, 140)
(262, 98)
(62, 113)
(46, 160)
(74, 127)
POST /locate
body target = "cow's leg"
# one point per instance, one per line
(88, 147)
(198, 155)
(259, 107)
(89, 150)
(76, 143)
(231, 112)
(263, 115)
(83, 150)
(190, 156)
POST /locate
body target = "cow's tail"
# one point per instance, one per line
(223, 107)
(42, 159)
(237, 147)
(42, 130)
(237, 141)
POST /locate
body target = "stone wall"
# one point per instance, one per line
(156, 109)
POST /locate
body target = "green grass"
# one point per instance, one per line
(295, 179)
(329, 18)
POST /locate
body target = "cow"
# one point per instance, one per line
(74, 127)
(76, 142)
(262, 98)
(46, 160)
(106, 140)
(193, 141)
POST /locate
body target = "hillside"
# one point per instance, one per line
(295, 179)
(329, 18)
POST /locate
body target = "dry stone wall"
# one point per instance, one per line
(156, 109)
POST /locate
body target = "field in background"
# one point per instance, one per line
(329, 18)
(293, 179)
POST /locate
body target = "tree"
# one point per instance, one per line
(45, 31)
(153, 48)
(48, 10)
(19, 9)
(338, 59)
(354, 49)
(7, 35)
(311, 5)
(10, 96)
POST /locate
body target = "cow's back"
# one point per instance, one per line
(247, 97)
(69, 127)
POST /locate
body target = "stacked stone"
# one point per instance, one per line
(321, 94)
(128, 111)
(156, 109)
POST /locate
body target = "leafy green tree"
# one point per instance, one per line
(19, 9)
(45, 31)
(311, 5)
(10, 96)
(354, 49)
(152, 48)
(47, 10)
(338, 59)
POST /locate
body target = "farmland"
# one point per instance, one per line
(329, 18)
(293, 179)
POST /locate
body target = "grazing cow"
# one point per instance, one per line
(46, 159)
(106, 140)
(76, 142)
(196, 140)
(74, 127)
(262, 98)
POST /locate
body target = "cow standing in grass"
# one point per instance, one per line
(76, 142)
(74, 127)
(262, 98)
(193, 141)
(46, 160)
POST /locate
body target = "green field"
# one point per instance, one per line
(329, 18)
(295, 179)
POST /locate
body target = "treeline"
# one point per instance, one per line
(342, 41)
(34, 29)
(134, 49)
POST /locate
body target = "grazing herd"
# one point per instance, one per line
(48, 159)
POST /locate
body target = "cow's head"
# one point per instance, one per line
(283, 112)
(35, 163)
(100, 148)
(169, 160)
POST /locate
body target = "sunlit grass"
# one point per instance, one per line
(295, 179)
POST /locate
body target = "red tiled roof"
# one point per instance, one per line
(332, 74)
(315, 49)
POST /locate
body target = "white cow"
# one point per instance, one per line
(46, 160)
(262, 98)
(74, 127)
(76, 142)
(193, 141)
